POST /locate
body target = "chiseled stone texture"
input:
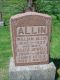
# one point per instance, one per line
(32, 72)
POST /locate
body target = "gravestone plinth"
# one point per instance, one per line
(32, 72)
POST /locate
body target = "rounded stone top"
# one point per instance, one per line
(29, 13)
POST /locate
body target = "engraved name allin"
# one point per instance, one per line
(31, 44)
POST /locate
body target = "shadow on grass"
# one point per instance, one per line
(57, 64)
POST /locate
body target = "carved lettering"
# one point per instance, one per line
(32, 30)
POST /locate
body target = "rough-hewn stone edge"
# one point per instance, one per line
(12, 66)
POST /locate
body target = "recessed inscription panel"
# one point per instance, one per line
(31, 30)
(31, 44)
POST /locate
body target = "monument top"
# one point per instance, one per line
(30, 13)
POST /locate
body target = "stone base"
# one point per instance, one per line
(1, 23)
(32, 72)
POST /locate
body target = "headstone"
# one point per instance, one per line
(30, 38)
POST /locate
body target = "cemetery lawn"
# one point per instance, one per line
(6, 52)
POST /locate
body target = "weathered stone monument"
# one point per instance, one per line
(30, 34)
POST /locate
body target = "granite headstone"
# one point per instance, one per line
(30, 32)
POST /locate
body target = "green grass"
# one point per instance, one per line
(55, 45)
(55, 38)
(5, 48)
(11, 7)
(5, 52)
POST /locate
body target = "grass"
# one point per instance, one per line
(55, 38)
(5, 52)
(11, 7)
(5, 48)
(55, 45)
